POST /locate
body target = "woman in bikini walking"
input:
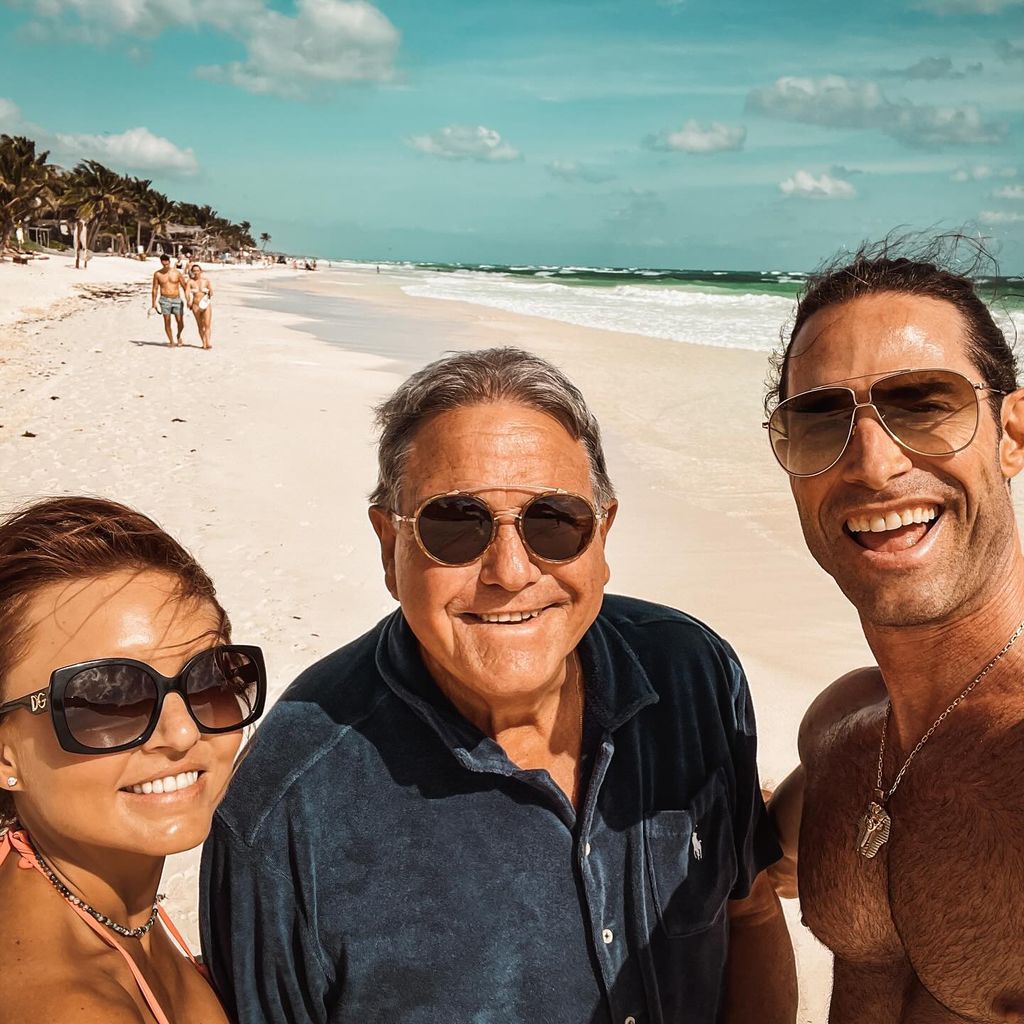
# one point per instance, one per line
(122, 705)
(199, 295)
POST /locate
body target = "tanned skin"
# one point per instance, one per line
(170, 284)
(929, 931)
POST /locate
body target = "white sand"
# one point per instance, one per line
(259, 454)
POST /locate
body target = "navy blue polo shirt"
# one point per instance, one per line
(379, 859)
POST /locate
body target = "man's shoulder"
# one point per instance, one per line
(847, 696)
(647, 625)
(321, 711)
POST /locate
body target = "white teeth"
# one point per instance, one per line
(508, 616)
(878, 523)
(168, 784)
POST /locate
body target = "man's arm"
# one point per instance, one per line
(156, 291)
(760, 971)
(785, 808)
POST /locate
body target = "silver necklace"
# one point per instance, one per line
(129, 933)
(876, 823)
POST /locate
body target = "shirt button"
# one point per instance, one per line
(586, 850)
(607, 936)
(629, 1020)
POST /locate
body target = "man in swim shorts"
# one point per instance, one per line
(168, 284)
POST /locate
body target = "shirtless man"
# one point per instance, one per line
(902, 427)
(168, 284)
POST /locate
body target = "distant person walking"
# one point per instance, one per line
(168, 285)
(199, 295)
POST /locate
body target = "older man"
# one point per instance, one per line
(901, 426)
(509, 802)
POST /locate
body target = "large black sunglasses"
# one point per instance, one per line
(456, 528)
(112, 704)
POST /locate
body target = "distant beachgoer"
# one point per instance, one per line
(168, 284)
(199, 295)
(122, 705)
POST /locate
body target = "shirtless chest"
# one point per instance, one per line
(933, 924)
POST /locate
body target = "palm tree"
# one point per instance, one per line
(265, 239)
(26, 183)
(99, 196)
(142, 195)
(161, 212)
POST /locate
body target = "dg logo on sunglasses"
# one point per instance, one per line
(38, 702)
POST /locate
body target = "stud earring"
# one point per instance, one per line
(12, 780)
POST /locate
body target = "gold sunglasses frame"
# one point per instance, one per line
(869, 404)
(512, 515)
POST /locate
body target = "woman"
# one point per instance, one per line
(122, 704)
(199, 295)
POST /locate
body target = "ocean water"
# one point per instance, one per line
(722, 309)
(729, 309)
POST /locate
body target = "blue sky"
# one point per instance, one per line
(703, 134)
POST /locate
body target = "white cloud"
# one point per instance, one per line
(1001, 217)
(981, 172)
(1010, 192)
(825, 186)
(1007, 52)
(136, 149)
(694, 137)
(833, 101)
(930, 69)
(324, 43)
(837, 102)
(10, 116)
(966, 6)
(573, 170)
(464, 142)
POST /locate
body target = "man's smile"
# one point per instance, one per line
(894, 528)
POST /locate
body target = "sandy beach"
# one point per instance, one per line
(259, 455)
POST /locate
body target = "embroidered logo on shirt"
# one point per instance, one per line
(698, 846)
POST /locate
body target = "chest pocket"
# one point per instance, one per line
(691, 859)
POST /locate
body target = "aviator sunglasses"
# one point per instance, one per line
(458, 527)
(112, 704)
(927, 411)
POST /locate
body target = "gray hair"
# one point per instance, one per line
(475, 378)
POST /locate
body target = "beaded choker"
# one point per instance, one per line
(77, 901)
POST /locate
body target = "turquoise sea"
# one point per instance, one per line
(723, 308)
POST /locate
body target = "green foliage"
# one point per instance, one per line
(111, 203)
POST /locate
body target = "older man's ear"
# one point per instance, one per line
(384, 527)
(1011, 442)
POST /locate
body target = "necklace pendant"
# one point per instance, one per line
(874, 830)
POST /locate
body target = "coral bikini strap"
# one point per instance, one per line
(19, 841)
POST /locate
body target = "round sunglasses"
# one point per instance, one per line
(456, 528)
(113, 704)
(928, 411)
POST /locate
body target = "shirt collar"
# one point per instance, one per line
(617, 686)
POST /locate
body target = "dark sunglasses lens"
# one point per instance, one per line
(558, 527)
(109, 705)
(808, 432)
(223, 688)
(933, 412)
(455, 529)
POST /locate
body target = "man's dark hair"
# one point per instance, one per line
(948, 268)
(164, 256)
